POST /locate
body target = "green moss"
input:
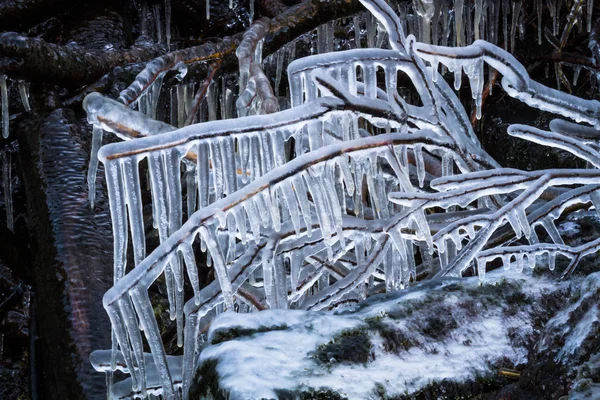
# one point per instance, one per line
(224, 335)
(206, 383)
(394, 339)
(353, 346)
(438, 324)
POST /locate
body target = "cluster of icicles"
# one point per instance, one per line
(327, 202)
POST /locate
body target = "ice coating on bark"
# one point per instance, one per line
(247, 47)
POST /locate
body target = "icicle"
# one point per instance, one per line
(168, 23)
(191, 268)
(229, 166)
(548, 224)
(477, 20)
(506, 262)
(292, 205)
(280, 55)
(481, 268)
(590, 11)
(301, 194)
(357, 31)
(5, 116)
(551, 262)
(159, 35)
(253, 218)
(457, 76)
(240, 222)
(231, 245)
(219, 265)
(24, 93)
(520, 262)
(93, 166)
(458, 24)
(118, 213)
(531, 259)
(274, 210)
(211, 99)
(322, 210)
(516, 12)
(203, 171)
(420, 163)
(133, 198)
(576, 75)
(7, 187)
(207, 9)
(334, 204)
(505, 13)
(191, 190)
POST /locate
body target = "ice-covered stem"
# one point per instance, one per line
(201, 93)
(246, 49)
(516, 81)
(554, 139)
(537, 250)
(269, 103)
(114, 117)
(545, 215)
(387, 16)
(70, 66)
(119, 119)
(214, 129)
(201, 53)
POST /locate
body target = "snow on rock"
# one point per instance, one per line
(570, 340)
(389, 345)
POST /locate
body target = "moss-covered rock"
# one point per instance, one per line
(352, 346)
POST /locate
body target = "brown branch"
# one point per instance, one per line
(290, 24)
(570, 58)
(201, 93)
(69, 66)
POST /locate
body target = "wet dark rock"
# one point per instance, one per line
(71, 251)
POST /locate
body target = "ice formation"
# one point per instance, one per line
(328, 201)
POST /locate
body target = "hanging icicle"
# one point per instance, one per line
(93, 166)
(7, 188)
(5, 115)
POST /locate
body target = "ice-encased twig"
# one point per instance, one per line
(245, 50)
(516, 80)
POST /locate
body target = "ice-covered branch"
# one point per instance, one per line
(516, 80)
